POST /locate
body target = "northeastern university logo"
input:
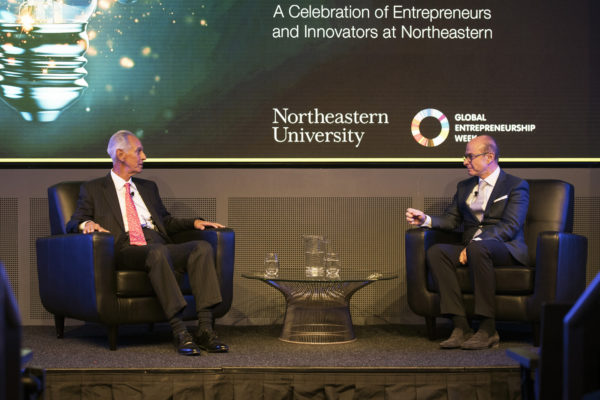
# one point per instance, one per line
(416, 127)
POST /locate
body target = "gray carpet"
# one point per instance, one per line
(387, 346)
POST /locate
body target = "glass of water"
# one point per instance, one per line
(271, 265)
(332, 266)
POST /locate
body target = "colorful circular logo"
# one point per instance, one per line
(416, 122)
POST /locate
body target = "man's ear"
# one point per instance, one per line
(120, 155)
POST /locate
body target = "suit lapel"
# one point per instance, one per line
(499, 188)
(110, 195)
(470, 185)
(150, 201)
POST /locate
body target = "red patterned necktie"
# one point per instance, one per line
(136, 235)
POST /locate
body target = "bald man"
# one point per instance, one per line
(492, 206)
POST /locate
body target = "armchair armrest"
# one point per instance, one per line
(560, 269)
(75, 272)
(417, 241)
(223, 244)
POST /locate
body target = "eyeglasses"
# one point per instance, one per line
(471, 157)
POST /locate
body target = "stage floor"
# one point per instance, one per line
(394, 358)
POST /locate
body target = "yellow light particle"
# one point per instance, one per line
(104, 4)
(126, 62)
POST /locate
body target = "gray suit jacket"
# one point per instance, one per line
(504, 215)
(98, 202)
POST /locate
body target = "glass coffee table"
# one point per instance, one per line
(318, 308)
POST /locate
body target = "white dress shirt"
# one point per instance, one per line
(140, 206)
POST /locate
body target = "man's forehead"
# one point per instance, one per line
(473, 145)
(135, 142)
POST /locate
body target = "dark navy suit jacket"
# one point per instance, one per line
(504, 215)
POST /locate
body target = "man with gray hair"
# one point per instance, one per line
(131, 210)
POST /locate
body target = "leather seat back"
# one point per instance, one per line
(62, 202)
(550, 209)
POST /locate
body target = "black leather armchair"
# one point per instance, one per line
(558, 258)
(78, 279)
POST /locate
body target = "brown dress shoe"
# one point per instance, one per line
(456, 339)
(481, 340)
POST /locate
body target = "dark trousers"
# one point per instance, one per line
(166, 264)
(482, 256)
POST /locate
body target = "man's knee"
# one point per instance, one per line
(203, 247)
(157, 254)
(477, 249)
(434, 252)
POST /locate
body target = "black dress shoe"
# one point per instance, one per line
(210, 342)
(184, 343)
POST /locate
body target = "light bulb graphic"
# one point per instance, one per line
(42, 47)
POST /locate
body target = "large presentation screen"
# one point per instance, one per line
(330, 81)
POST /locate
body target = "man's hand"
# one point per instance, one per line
(199, 224)
(91, 227)
(415, 217)
(462, 258)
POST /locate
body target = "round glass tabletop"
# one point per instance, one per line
(345, 276)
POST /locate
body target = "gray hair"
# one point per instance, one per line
(119, 140)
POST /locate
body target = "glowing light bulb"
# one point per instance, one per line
(42, 47)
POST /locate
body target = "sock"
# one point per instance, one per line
(205, 320)
(461, 322)
(488, 325)
(177, 324)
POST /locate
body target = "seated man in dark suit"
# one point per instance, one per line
(131, 209)
(492, 206)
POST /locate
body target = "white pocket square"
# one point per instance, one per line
(501, 198)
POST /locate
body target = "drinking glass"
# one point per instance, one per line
(332, 266)
(271, 265)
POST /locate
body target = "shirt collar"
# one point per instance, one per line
(120, 182)
(492, 178)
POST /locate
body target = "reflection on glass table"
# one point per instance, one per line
(318, 308)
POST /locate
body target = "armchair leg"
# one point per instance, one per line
(431, 328)
(59, 324)
(113, 332)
